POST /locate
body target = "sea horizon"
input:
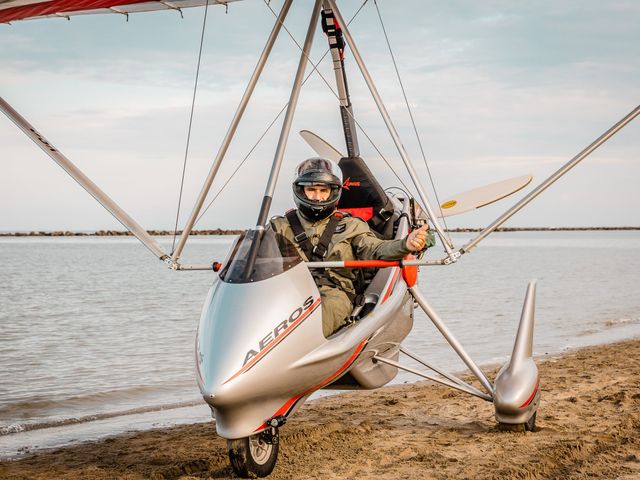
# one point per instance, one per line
(222, 231)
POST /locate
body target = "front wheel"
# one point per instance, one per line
(255, 455)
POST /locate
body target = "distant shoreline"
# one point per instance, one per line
(218, 231)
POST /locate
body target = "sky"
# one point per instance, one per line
(498, 89)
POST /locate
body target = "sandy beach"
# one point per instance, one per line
(588, 427)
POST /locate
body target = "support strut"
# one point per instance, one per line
(549, 181)
(232, 129)
(288, 119)
(464, 356)
(84, 181)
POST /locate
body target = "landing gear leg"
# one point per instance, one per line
(255, 455)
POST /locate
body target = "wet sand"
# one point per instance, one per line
(588, 427)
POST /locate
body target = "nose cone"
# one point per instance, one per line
(208, 397)
(250, 334)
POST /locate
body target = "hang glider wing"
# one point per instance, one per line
(13, 10)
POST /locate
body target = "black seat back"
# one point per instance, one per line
(362, 196)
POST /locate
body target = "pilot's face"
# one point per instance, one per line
(317, 193)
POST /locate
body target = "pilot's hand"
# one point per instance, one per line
(417, 239)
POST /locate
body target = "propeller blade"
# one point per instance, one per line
(482, 196)
(321, 146)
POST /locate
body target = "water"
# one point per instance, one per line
(96, 337)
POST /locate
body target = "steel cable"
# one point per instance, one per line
(415, 129)
(186, 150)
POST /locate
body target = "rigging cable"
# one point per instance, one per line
(255, 145)
(315, 70)
(193, 103)
(276, 118)
(415, 129)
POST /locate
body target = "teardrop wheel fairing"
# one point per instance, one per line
(255, 455)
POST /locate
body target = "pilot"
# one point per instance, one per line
(322, 233)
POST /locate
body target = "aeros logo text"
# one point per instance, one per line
(281, 330)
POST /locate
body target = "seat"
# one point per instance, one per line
(363, 197)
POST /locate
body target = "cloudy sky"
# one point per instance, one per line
(498, 89)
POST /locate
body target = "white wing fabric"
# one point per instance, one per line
(12, 10)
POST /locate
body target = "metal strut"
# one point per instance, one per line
(394, 134)
(453, 378)
(288, 119)
(464, 356)
(549, 181)
(455, 385)
(84, 181)
(232, 129)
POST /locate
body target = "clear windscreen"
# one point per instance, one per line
(259, 255)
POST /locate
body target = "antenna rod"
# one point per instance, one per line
(288, 119)
(84, 181)
(392, 130)
(544, 185)
(232, 130)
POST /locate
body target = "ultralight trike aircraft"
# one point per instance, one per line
(260, 350)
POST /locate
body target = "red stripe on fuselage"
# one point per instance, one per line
(391, 285)
(533, 394)
(284, 410)
(277, 340)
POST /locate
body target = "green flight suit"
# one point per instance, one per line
(352, 240)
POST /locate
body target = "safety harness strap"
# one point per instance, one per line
(333, 31)
(299, 235)
(322, 248)
(317, 252)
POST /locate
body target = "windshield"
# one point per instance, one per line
(258, 255)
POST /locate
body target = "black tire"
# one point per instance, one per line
(253, 456)
(530, 425)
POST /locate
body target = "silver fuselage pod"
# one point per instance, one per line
(517, 393)
(260, 351)
(249, 337)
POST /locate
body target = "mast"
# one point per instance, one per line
(394, 134)
(331, 28)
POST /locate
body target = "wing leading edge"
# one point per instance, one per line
(13, 10)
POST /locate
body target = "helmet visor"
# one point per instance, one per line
(318, 171)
